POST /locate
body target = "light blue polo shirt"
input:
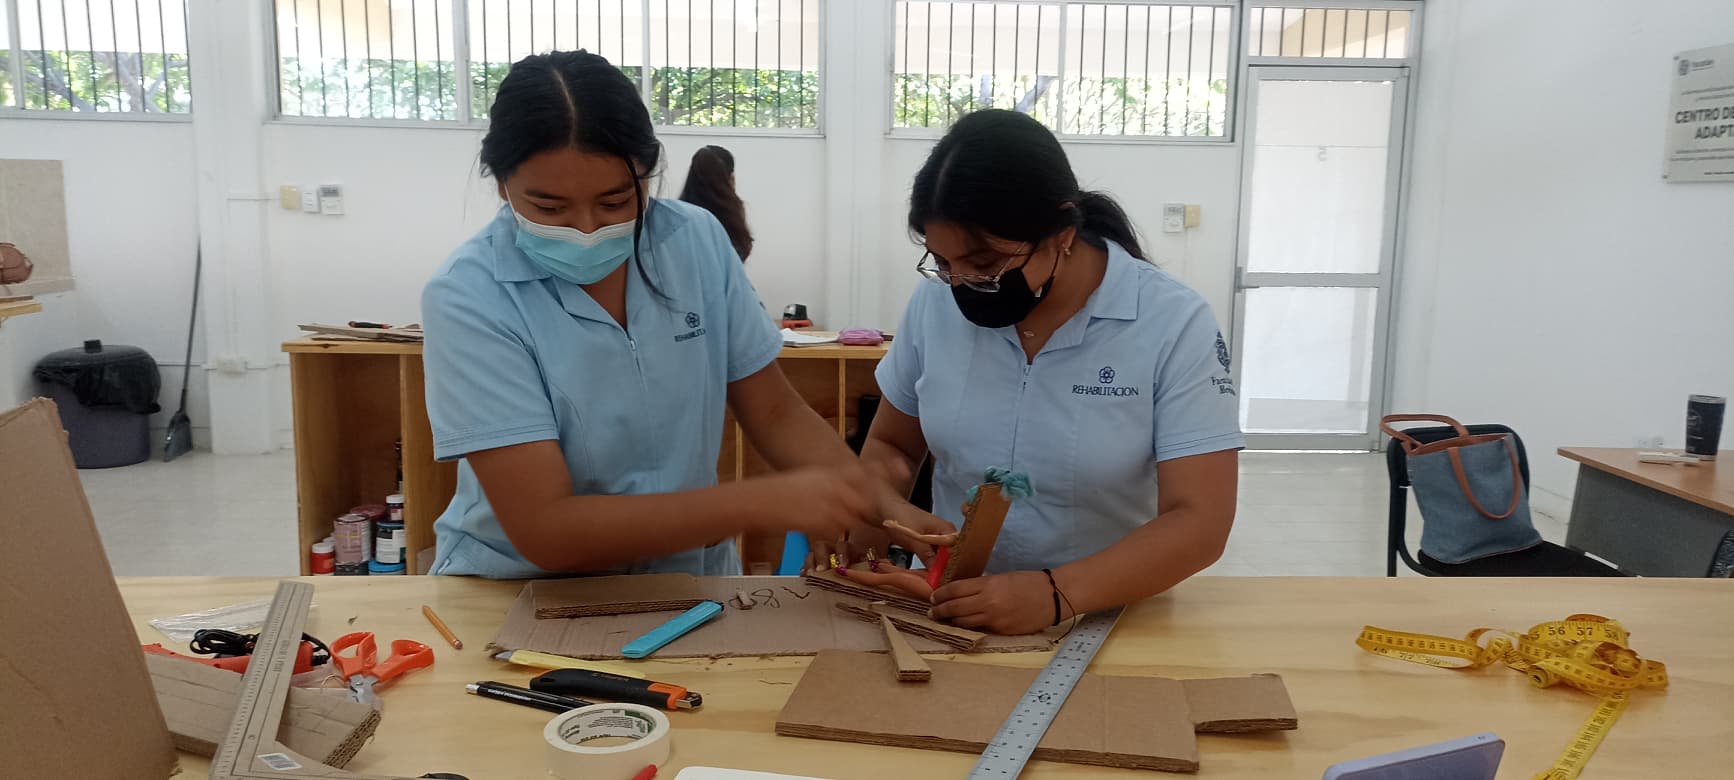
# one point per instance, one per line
(515, 355)
(1140, 375)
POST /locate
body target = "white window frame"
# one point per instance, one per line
(1233, 75)
(1411, 47)
(16, 109)
(466, 91)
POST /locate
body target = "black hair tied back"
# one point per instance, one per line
(1002, 173)
(571, 99)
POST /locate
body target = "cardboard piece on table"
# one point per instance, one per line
(1132, 722)
(911, 667)
(788, 618)
(198, 702)
(586, 596)
(829, 580)
(70, 668)
(961, 640)
(982, 520)
(1239, 705)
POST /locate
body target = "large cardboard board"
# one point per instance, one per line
(788, 617)
(1132, 722)
(71, 673)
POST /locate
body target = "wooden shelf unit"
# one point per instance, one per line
(353, 400)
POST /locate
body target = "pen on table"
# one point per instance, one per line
(645, 773)
(440, 626)
(499, 691)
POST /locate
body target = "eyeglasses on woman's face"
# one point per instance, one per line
(936, 269)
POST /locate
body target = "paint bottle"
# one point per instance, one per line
(352, 538)
(388, 538)
(322, 559)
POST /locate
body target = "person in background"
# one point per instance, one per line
(581, 350)
(1051, 346)
(710, 185)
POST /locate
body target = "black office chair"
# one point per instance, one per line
(1543, 560)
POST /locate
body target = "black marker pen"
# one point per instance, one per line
(500, 691)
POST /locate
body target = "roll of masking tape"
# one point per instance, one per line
(569, 758)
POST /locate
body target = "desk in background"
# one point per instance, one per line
(355, 400)
(1650, 519)
(1351, 704)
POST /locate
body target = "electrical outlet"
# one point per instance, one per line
(1651, 442)
(289, 197)
(1192, 215)
(231, 364)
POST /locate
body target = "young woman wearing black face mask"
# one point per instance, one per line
(1051, 347)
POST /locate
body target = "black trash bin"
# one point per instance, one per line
(106, 396)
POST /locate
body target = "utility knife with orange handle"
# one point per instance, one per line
(606, 687)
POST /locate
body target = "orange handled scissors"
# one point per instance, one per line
(356, 656)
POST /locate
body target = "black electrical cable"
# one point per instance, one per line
(227, 644)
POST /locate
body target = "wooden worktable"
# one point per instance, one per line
(1704, 484)
(1351, 704)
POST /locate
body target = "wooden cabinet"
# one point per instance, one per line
(355, 401)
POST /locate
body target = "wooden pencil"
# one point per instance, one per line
(440, 626)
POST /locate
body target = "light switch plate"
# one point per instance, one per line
(310, 201)
(289, 197)
(1192, 215)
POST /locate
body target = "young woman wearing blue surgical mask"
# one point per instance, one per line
(583, 347)
(1051, 347)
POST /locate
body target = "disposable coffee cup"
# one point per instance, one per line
(1704, 415)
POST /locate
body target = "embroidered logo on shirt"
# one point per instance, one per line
(1104, 385)
(692, 321)
(1222, 351)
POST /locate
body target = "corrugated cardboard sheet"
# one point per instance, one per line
(789, 617)
(1133, 722)
(75, 698)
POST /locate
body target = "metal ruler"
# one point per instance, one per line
(250, 750)
(1017, 738)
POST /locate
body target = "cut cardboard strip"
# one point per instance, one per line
(960, 640)
(911, 667)
(1129, 722)
(587, 596)
(983, 518)
(831, 581)
(70, 668)
(789, 617)
(1240, 705)
(199, 701)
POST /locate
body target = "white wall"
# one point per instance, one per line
(132, 232)
(1553, 280)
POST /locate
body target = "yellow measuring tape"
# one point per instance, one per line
(1587, 652)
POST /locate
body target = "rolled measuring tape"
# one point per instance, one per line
(570, 759)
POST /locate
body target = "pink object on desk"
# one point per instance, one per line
(860, 337)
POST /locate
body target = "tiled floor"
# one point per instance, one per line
(235, 515)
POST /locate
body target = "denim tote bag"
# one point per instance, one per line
(1470, 487)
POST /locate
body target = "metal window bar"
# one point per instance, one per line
(1340, 31)
(51, 69)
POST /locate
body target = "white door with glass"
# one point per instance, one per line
(1320, 182)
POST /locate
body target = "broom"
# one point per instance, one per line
(179, 439)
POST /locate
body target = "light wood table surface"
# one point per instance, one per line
(1351, 704)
